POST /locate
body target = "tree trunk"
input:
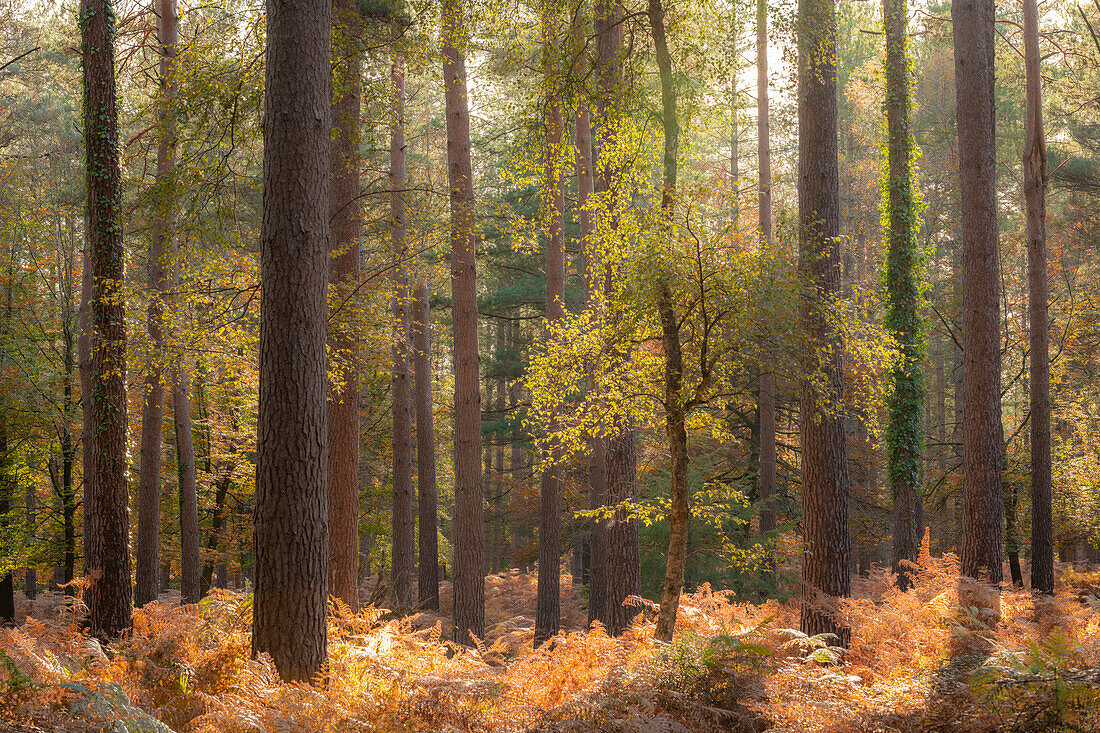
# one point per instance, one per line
(825, 561)
(973, 23)
(517, 464)
(497, 498)
(403, 549)
(190, 565)
(548, 598)
(428, 567)
(597, 465)
(1035, 183)
(291, 515)
(152, 418)
(623, 572)
(766, 398)
(31, 578)
(905, 430)
(7, 491)
(469, 584)
(343, 275)
(107, 508)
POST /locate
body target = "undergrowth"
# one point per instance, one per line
(917, 661)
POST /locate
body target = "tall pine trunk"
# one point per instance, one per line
(403, 548)
(623, 568)
(766, 403)
(343, 276)
(825, 561)
(905, 430)
(974, 31)
(469, 584)
(291, 514)
(152, 419)
(106, 508)
(428, 565)
(1035, 183)
(548, 599)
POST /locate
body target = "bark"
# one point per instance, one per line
(905, 431)
(497, 498)
(675, 410)
(766, 398)
(107, 510)
(427, 499)
(7, 491)
(291, 514)
(973, 23)
(517, 464)
(31, 578)
(343, 274)
(825, 563)
(1035, 184)
(548, 598)
(152, 419)
(597, 465)
(622, 571)
(190, 565)
(469, 584)
(403, 549)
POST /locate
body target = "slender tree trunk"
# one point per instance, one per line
(190, 565)
(548, 599)
(597, 465)
(31, 585)
(343, 275)
(1035, 183)
(215, 542)
(497, 498)
(403, 549)
(825, 561)
(973, 23)
(107, 508)
(675, 411)
(291, 515)
(152, 419)
(7, 491)
(487, 472)
(428, 567)
(517, 464)
(905, 431)
(469, 584)
(766, 398)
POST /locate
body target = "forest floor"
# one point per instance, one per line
(917, 661)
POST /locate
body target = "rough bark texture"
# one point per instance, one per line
(1035, 184)
(428, 566)
(343, 396)
(469, 584)
(548, 599)
(973, 23)
(825, 560)
(107, 509)
(623, 573)
(766, 403)
(905, 430)
(403, 549)
(152, 417)
(291, 515)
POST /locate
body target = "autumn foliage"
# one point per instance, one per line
(917, 662)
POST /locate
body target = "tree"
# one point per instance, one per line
(905, 431)
(106, 507)
(623, 573)
(766, 385)
(982, 449)
(427, 493)
(291, 517)
(403, 549)
(346, 221)
(469, 584)
(1035, 184)
(825, 566)
(547, 609)
(152, 418)
(190, 566)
